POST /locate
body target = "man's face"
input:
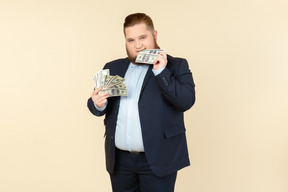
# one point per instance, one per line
(138, 38)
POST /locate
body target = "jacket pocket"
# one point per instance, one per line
(171, 132)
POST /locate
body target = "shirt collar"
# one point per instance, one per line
(132, 65)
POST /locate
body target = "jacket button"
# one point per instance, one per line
(112, 137)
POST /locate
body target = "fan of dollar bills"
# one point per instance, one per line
(113, 85)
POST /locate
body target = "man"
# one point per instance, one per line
(145, 142)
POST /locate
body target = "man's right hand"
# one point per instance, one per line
(100, 99)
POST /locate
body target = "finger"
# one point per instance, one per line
(96, 91)
(102, 101)
(163, 54)
(101, 104)
(99, 99)
(158, 59)
(104, 94)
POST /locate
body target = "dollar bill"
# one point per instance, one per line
(148, 56)
(114, 92)
(107, 79)
(117, 86)
(99, 77)
(114, 81)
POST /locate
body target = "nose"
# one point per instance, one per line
(138, 44)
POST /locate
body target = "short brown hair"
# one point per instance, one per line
(137, 18)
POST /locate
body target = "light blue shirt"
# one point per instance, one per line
(128, 134)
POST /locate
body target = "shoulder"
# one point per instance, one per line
(176, 61)
(116, 62)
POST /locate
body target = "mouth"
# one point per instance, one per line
(140, 50)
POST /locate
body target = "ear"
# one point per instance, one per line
(155, 34)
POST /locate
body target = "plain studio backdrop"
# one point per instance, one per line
(237, 130)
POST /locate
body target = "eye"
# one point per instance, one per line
(142, 37)
(130, 40)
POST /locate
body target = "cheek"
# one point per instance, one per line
(130, 48)
(149, 44)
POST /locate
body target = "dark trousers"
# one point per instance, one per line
(133, 174)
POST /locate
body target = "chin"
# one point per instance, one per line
(132, 59)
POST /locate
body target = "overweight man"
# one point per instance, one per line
(145, 143)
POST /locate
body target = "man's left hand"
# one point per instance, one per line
(160, 62)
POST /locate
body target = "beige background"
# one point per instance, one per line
(237, 130)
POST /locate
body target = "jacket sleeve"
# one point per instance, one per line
(178, 88)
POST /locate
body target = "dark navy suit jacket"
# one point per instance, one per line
(163, 99)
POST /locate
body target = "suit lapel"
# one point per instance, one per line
(147, 77)
(123, 68)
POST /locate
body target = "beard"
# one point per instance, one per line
(133, 58)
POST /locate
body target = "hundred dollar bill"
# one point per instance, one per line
(113, 81)
(117, 86)
(107, 79)
(114, 92)
(148, 56)
(99, 77)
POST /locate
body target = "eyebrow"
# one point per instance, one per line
(144, 35)
(130, 39)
